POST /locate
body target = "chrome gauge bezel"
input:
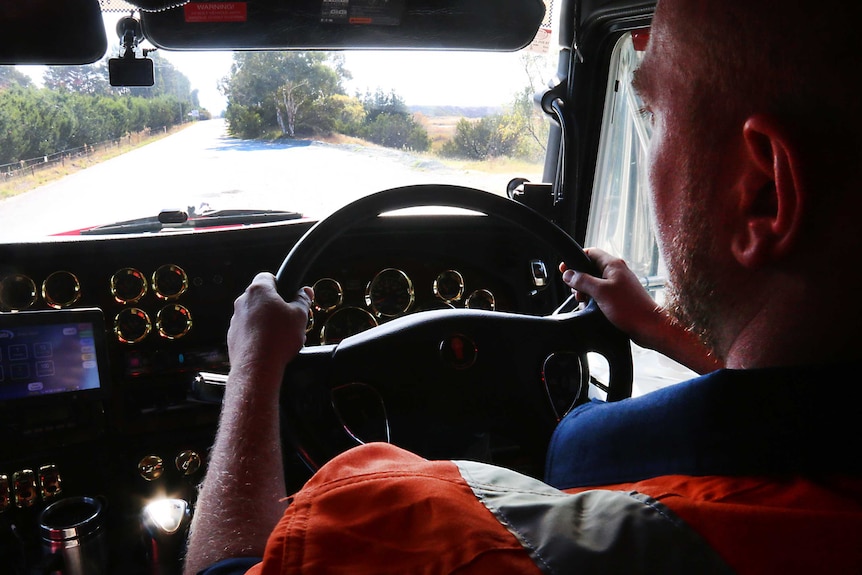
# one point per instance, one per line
(320, 287)
(10, 290)
(52, 293)
(340, 316)
(377, 283)
(442, 279)
(166, 270)
(161, 321)
(124, 274)
(118, 325)
(483, 295)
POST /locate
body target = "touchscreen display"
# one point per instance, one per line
(38, 359)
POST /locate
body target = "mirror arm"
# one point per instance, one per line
(553, 103)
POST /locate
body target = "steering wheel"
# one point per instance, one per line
(450, 383)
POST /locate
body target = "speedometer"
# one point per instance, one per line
(390, 293)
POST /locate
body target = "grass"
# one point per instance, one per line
(25, 183)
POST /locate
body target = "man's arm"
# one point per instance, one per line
(243, 494)
(627, 305)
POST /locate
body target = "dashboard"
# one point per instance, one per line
(158, 308)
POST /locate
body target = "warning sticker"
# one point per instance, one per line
(376, 12)
(216, 12)
(541, 44)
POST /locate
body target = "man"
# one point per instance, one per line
(754, 468)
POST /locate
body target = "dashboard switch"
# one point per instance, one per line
(151, 467)
(188, 462)
(539, 273)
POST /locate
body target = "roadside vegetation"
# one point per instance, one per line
(301, 95)
(76, 118)
(77, 107)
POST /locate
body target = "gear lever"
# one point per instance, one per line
(166, 523)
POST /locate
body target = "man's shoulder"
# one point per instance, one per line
(729, 422)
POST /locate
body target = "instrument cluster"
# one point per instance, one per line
(346, 306)
(128, 287)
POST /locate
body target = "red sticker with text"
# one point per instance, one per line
(216, 12)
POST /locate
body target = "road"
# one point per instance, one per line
(202, 164)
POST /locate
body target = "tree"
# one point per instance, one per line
(92, 79)
(13, 140)
(388, 122)
(9, 76)
(243, 121)
(488, 137)
(283, 89)
(382, 103)
(340, 113)
(534, 122)
(396, 131)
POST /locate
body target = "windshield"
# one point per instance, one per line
(299, 132)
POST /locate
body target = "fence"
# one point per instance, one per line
(33, 165)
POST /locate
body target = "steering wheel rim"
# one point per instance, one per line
(300, 258)
(334, 363)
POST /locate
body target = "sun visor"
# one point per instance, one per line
(51, 32)
(344, 24)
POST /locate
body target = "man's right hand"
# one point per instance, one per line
(618, 293)
(627, 305)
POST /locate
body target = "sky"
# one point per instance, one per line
(420, 78)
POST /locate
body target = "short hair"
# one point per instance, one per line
(794, 60)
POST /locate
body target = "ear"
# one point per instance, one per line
(771, 194)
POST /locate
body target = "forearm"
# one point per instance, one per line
(242, 497)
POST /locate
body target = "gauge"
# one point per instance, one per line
(132, 325)
(449, 286)
(346, 322)
(310, 324)
(17, 292)
(61, 289)
(170, 282)
(173, 321)
(481, 299)
(390, 293)
(128, 285)
(328, 294)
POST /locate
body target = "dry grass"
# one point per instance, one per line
(27, 182)
(499, 165)
(439, 128)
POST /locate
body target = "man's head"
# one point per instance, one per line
(755, 140)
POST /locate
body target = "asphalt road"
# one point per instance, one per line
(202, 164)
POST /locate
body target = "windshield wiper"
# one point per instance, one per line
(179, 220)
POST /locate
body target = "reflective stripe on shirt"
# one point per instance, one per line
(597, 531)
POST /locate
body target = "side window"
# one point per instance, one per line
(620, 220)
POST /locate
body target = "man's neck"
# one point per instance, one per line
(815, 334)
